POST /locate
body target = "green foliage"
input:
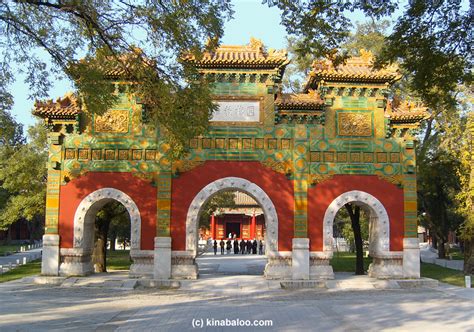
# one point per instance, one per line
(102, 32)
(11, 132)
(296, 73)
(119, 227)
(369, 36)
(345, 261)
(323, 26)
(449, 276)
(431, 40)
(23, 178)
(224, 199)
(343, 228)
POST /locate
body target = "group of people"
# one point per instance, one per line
(239, 247)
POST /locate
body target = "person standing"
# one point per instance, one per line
(249, 247)
(228, 246)
(221, 244)
(242, 246)
(254, 247)
(236, 246)
(215, 247)
(260, 247)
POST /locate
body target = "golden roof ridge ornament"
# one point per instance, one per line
(406, 111)
(253, 55)
(355, 69)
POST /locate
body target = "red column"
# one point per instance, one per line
(213, 227)
(252, 227)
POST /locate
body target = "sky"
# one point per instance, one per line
(251, 19)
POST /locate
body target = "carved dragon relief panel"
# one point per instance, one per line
(354, 124)
(113, 121)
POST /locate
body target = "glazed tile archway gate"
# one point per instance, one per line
(306, 152)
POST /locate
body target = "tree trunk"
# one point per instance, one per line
(469, 257)
(113, 239)
(31, 229)
(9, 234)
(354, 214)
(99, 255)
(441, 248)
(434, 240)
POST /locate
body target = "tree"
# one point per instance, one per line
(465, 197)
(431, 40)
(11, 132)
(353, 225)
(47, 38)
(119, 228)
(368, 36)
(23, 178)
(112, 213)
(443, 157)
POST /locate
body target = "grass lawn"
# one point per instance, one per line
(456, 254)
(345, 262)
(118, 260)
(29, 269)
(442, 274)
(12, 248)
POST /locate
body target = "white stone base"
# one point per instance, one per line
(411, 258)
(278, 266)
(162, 259)
(300, 259)
(183, 265)
(76, 262)
(50, 259)
(386, 266)
(319, 267)
(142, 265)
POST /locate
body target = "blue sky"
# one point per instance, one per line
(251, 19)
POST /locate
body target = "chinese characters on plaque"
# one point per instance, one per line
(237, 111)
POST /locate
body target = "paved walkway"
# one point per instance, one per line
(18, 259)
(102, 303)
(430, 255)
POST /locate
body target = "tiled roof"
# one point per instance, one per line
(66, 107)
(242, 199)
(406, 112)
(121, 66)
(355, 69)
(303, 101)
(252, 55)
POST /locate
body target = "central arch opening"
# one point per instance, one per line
(268, 231)
(231, 235)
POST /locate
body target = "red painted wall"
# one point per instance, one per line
(320, 196)
(141, 192)
(275, 185)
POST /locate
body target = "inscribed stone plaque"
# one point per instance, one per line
(237, 111)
